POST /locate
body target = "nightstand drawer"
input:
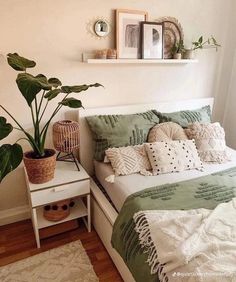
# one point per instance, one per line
(55, 194)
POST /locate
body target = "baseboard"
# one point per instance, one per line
(13, 215)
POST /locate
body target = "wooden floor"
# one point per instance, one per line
(17, 242)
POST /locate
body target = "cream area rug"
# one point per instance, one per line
(68, 263)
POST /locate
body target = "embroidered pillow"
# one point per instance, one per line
(210, 141)
(173, 156)
(184, 118)
(166, 132)
(120, 130)
(129, 160)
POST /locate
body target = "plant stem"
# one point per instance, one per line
(22, 139)
(36, 127)
(36, 106)
(30, 138)
(41, 101)
(43, 111)
(21, 128)
(32, 114)
(53, 114)
(45, 128)
(16, 128)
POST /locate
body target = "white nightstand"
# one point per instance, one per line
(68, 183)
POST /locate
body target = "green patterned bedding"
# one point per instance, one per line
(204, 192)
(184, 118)
(120, 130)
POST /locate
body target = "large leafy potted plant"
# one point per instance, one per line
(38, 91)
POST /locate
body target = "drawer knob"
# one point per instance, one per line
(59, 189)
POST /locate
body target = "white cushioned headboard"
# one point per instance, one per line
(86, 142)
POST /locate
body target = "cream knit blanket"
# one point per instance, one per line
(194, 245)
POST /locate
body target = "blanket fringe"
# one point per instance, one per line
(145, 239)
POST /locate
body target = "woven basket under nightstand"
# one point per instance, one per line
(56, 211)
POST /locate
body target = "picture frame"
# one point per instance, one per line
(128, 33)
(152, 38)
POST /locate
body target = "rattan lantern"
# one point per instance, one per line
(66, 140)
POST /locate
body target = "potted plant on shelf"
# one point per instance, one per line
(38, 91)
(201, 44)
(178, 49)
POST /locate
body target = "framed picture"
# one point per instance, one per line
(152, 40)
(128, 35)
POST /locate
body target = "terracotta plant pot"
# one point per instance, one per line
(189, 54)
(178, 56)
(40, 170)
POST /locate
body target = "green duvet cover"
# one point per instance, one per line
(204, 192)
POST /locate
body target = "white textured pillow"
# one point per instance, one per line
(166, 131)
(129, 160)
(210, 141)
(173, 156)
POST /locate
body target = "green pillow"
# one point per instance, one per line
(184, 118)
(120, 130)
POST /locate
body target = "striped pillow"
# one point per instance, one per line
(129, 160)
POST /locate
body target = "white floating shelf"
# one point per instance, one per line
(79, 210)
(141, 61)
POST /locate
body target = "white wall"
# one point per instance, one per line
(229, 116)
(230, 113)
(223, 80)
(54, 34)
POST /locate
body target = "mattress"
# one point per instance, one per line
(124, 186)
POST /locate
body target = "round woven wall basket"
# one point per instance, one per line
(66, 136)
(58, 211)
(40, 170)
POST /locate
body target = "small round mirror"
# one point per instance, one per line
(102, 28)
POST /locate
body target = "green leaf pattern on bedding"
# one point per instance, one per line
(184, 118)
(204, 192)
(120, 130)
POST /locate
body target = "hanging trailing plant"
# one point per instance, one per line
(204, 44)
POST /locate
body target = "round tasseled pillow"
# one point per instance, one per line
(166, 131)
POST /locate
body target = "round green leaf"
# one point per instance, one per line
(96, 85)
(43, 82)
(75, 89)
(52, 94)
(78, 88)
(55, 82)
(5, 128)
(19, 63)
(10, 158)
(71, 103)
(30, 85)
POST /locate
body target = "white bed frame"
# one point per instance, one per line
(103, 214)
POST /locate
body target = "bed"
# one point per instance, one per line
(104, 213)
